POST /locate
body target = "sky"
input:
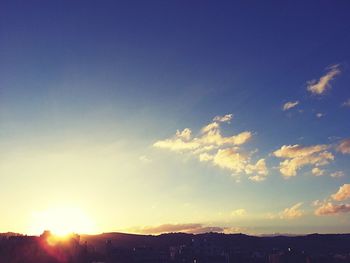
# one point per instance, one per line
(166, 116)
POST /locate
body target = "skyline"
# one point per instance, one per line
(171, 116)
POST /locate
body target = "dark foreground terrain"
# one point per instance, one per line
(173, 247)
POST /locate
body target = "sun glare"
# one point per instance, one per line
(62, 221)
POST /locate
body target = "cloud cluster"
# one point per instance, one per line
(330, 208)
(297, 156)
(290, 104)
(318, 87)
(210, 138)
(222, 151)
(344, 146)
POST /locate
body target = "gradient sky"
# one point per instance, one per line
(92, 94)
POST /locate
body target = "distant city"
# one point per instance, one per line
(173, 248)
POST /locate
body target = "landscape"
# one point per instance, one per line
(168, 131)
(175, 247)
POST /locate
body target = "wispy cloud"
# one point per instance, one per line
(297, 156)
(290, 104)
(145, 159)
(337, 174)
(344, 146)
(239, 212)
(222, 151)
(318, 87)
(186, 228)
(183, 228)
(292, 212)
(346, 103)
(329, 208)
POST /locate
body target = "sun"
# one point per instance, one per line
(62, 221)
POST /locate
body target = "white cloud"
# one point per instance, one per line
(259, 169)
(211, 127)
(297, 156)
(317, 171)
(231, 160)
(238, 163)
(292, 212)
(222, 151)
(293, 151)
(318, 87)
(205, 157)
(319, 115)
(185, 134)
(290, 104)
(177, 144)
(225, 118)
(210, 138)
(343, 193)
(214, 137)
(344, 146)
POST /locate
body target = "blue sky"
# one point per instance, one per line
(88, 89)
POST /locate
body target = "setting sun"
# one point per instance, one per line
(62, 221)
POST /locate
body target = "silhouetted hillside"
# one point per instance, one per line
(315, 242)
